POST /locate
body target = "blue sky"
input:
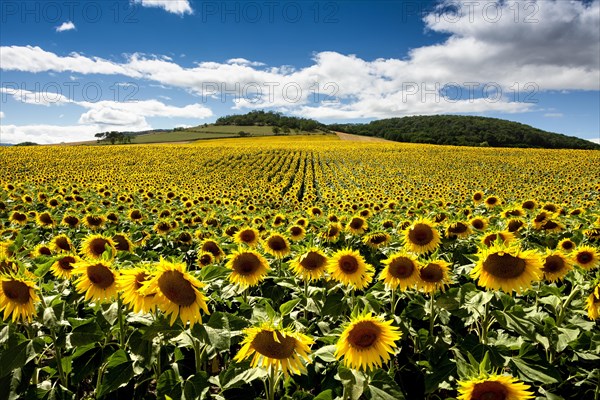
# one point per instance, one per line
(71, 69)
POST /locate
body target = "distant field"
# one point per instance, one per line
(209, 132)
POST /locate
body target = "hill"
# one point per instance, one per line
(269, 118)
(464, 131)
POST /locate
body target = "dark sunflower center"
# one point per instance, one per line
(356, 223)
(504, 266)
(492, 200)
(97, 246)
(550, 225)
(135, 214)
(364, 334)
(296, 231)
(529, 205)
(490, 239)
(312, 260)
(176, 288)
(121, 243)
(163, 227)
(71, 220)
(421, 234)
(16, 291)
(377, 239)
(63, 244)
(489, 391)
(93, 220)
(65, 263)
(332, 231)
(19, 217)
(246, 264)
(584, 257)
(276, 243)
(46, 218)
(205, 259)
(553, 264)
(477, 224)
(477, 196)
(568, 245)
(401, 267)
(247, 236)
(265, 344)
(515, 225)
(185, 237)
(458, 227)
(432, 273)
(140, 278)
(212, 248)
(348, 264)
(100, 276)
(45, 251)
(540, 218)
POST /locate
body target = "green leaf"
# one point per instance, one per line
(89, 332)
(326, 353)
(169, 384)
(16, 357)
(565, 337)
(535, 372)
(383, 385)
(245, 377)
(324, 395)
(118, 373)
(288, 306)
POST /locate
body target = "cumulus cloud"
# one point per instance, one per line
(595, 140)
(65, 26)
(496, 56)
(179, 7)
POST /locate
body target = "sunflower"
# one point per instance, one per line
(367, 342)
(135, 215)
(497, 237)
(278, 220)
(63, 267)
(273, 347)
(376, 240)
(478, 197)
(41, 250)
(177, 292)
(514, 225)
(555, 265)
(586, 257)
(552, 226)
(18, 218)
(123, 242)
(247, 235)
(70, 220)
(421, 237)
(98, 280)
(593, 304)
(17, 298)
(93, 246)
(458, 230)
(566, 245)
(277, 245)
(500, 387)
(45, 220)
(479, 223)
(162, 227)
(130, 283)
(433, 276)
(349, 268)
(297, 233)
(332, 233)
(492, 201)
(61, 244)
(247, 267)
(213, 248)
(310, 266)
(94, 221)
(529, 205)
(357, 225)
(205, 258)
(401, 271)
(507, 268)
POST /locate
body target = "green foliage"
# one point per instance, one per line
(278, 121)
(460, 130)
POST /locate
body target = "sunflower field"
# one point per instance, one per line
(299, 268)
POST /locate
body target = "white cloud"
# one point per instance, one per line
(558, 52)
(595, 140)
(554, 115)
(65, 26)
(2, 115)
(179, 7)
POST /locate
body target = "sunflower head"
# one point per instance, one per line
(332, 233)
(497, 238)
(348, 267)
(592, 304)
(205, 258)
(555, 265)
(401, 270)
(248, 268)
(421, 237)
(273, 347)
(357, 225)
(433, 276)
(377, 239)
(297, 232)
(479, 223)
(310, 265)
(131, 282)
(458, 230)
(212, 247)
(63, 267)
(367, 342)
(123, 242)
(507, 268)
(566, 245)
(277, 245)
(248, 236)
(18, 298)
(97, 279)
(95, 246)
(61, 243)
(494, 387)
(587, 257)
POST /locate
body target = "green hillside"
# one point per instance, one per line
(464, 131)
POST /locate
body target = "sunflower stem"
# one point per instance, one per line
(431, 314)
(271, 383)
(563, 309)
(485, 324)
(57, 353)
(393, 300)
(120, 318)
